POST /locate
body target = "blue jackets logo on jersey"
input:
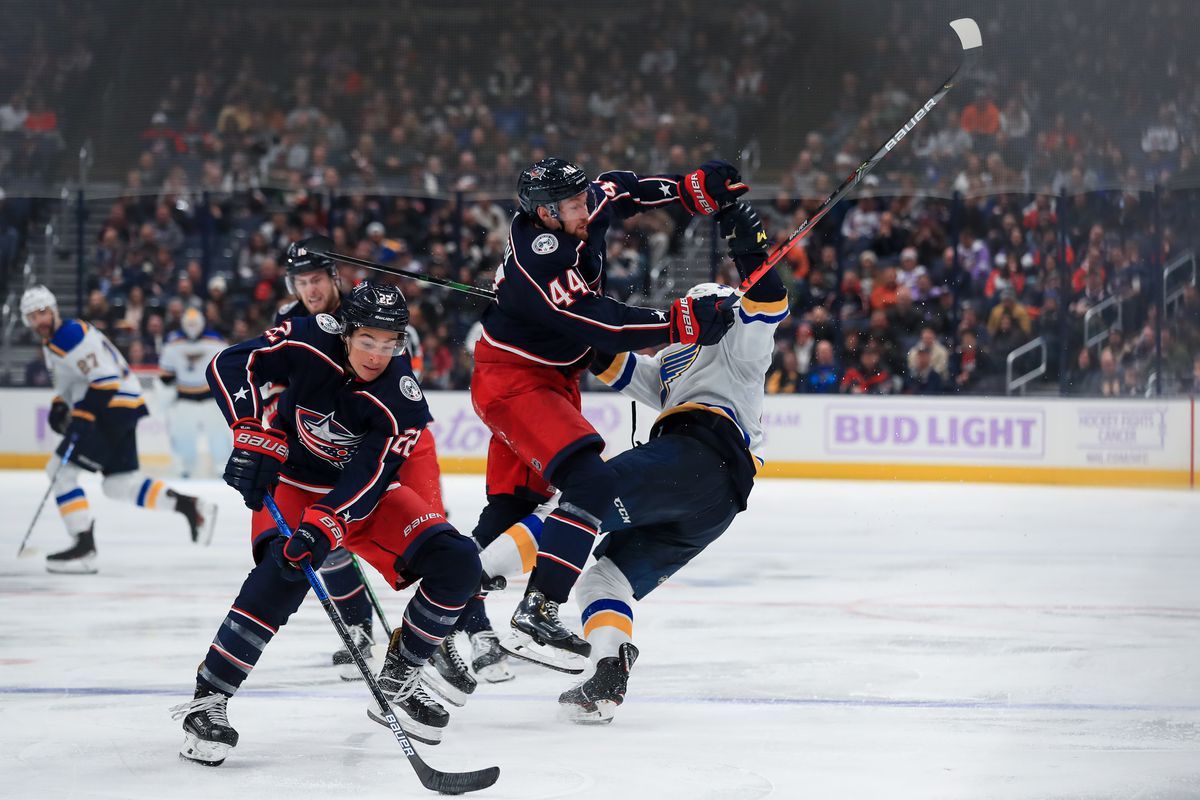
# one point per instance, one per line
(545, 244)
(325, 437)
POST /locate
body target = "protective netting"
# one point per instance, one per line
(420, 96)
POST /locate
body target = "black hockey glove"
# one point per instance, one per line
(57, 418)
(253, 466)
(740, 226)
(700, 320)
(319, 532)
(710, 188)
(600, 362)
(80, 425)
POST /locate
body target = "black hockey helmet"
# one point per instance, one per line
(301, 259)
(547, 182)
(372, 304)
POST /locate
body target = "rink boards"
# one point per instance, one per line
(1126, 442)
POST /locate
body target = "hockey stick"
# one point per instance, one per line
(968, 35)
(323, 246)
(432, 779)
(362, 576)
(66, 457)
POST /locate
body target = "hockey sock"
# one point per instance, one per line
(346, 588)
(588, 485)
(139, 489)
(72, 502)
(606, 598)
(514, 552)
(448, 564)
(501, 511)
(262, 607)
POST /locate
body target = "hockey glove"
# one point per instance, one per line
(600, 362)
(710, 188)
(57, 418)
(253, 466)
(80, 425)
(319, 532)
(700, 320)
(740, 226)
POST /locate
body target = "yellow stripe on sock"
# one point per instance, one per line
(611, 619)
(75, 505)
(152, 495)
(526, 545)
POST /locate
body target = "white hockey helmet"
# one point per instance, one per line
(36, 298)
(192, 323)
(705, 289)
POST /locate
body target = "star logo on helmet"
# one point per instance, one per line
(536, 173)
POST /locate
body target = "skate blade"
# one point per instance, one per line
(601, 714)
(208, 754)
(523, 646)
(495, 673)
(208, 511)
(76, 566)
(425, 734)
(434, 680)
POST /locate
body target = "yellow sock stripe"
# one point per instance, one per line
(75, 505)
(152, 495)
(611, 619)
(526, 545)
(615, 368)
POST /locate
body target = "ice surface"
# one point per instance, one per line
(842, 640)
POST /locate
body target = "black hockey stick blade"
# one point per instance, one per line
(455, 782)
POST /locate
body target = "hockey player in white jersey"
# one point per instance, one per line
(683, 488)
(97, 408)
(192, 414)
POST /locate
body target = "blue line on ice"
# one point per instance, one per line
(867, 702)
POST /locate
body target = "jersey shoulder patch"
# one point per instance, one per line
(329, 323)
(410, 389)
(69, 335)
(544, 244)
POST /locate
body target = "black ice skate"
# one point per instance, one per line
(447, 673)
(201, 516)
(487, 659)
(540, 637)
(78, 559)
(362, 638)
(418, 714)
(208, 736)
(594, 701)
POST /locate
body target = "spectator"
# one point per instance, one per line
(939, 356)
(823, 376)
(869, 376)
(922, 378)
(785, 376)
(970, 364)
(883, 295)
(1012, 307)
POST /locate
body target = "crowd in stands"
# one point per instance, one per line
(267, 128)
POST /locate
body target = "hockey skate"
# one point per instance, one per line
(201, 516)
(78, 559)
(208, 736)
(489, 662)
(540, 637)
(421, 717)
(594, 701)
(447, 673)
(363, 640)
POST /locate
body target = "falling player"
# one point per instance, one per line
(184, 360)
(537, 336)
(97, 406)
(313, 280)
(350, 415)
(680, 490)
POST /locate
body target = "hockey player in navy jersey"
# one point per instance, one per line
(538, 334)
(351, 414)
(313, 280)
(680, 490)
(97, 407)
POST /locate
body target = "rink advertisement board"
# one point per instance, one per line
(1128, 442)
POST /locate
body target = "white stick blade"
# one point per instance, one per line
(968, 33)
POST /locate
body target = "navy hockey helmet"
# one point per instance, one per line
(299, 259)
(548, 182)
(372, 304)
